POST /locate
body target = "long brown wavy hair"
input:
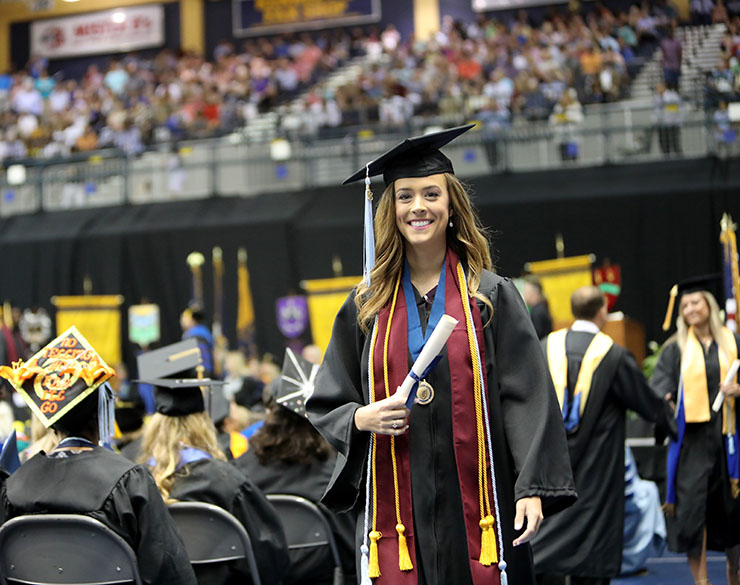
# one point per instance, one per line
(467, 237)
(288, 438)
(165, 436)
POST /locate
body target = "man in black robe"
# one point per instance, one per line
(596, 381)
(80, 477)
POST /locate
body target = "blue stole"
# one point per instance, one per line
(417, 339)
(674, 449)
(187, 455)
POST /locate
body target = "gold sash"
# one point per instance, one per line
(558, 363)
(694, 374)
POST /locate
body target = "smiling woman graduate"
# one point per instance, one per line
(702, 490)
(437, 489)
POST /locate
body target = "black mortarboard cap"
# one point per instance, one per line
(707, 282)
(59, 376)
(296, 383)
(414, 157)
(711, 283)
(175, 396)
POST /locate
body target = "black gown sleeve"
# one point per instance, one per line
(667, 371)
(137, 506)
(633, 391)
(265, 530)
(532, 421)
(4, 515)
(331, 408)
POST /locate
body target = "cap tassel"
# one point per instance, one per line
(106, 415)
(369, 234)
(364, 566)
(669, 312)
(404, 559)
(373, 565)
(488, 554)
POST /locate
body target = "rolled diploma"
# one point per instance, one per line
(730, 376)
(431, 350)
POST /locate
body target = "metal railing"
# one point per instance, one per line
(232, 166)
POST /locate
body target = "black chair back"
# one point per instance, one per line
(307, 532)
(62, 549)
(212, 535)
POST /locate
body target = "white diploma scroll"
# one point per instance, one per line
(432, 348)
(729, 378)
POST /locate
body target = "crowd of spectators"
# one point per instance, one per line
(497, 70)
(723, 81)
(513, 69)
(136, 100)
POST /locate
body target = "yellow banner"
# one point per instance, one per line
(97, 318)
(559, 278)
(325, 298)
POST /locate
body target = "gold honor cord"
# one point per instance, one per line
(488, 551)
(374, 568)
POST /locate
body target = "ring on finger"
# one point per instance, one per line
(395, 424)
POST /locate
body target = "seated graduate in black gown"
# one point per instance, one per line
(288, 456)
(181, 448)
(65, 386)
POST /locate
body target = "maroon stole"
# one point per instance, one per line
(464, 436)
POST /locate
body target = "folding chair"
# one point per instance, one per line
(306, 528)
(61, 549)
(212, 535)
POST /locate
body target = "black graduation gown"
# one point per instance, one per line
(111, 489)
(586, 539)
(220, 483)
(310, 483)
(703, 496)
(527, 433)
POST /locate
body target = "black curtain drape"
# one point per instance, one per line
(659, 222)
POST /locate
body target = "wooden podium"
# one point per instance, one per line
(629, 334)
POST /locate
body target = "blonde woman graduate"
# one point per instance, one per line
(451, 490)
(181, 449)
(702, 495)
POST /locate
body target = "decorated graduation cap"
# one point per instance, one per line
(414, 157)
(172, 372)
(710, 283)
(60, 376)
(296, 383)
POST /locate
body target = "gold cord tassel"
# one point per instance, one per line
(404, 559)
(734, 488)
(488, 553)
(669, 312)
(669, 510)
(374, 566)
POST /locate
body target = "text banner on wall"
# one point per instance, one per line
(109, 31)
(559, 278)
(486, 5)
(98, 318)
(258, 17)
(325, 298)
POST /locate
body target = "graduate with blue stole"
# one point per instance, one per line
(702, 503)
(451, 487)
